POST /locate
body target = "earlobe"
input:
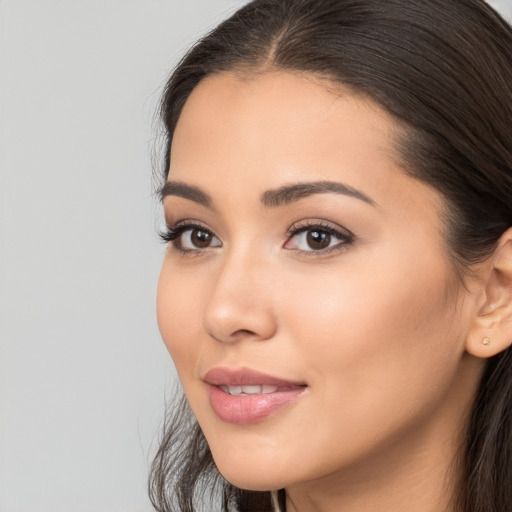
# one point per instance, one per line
(491, 332)
(485, 347)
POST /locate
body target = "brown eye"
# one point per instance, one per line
(200, 239)
(197, 238)
(318, 240)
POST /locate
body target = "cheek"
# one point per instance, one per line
(380, 340)
(380, 359)
(179, 324)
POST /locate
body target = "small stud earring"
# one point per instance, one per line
(486, 341)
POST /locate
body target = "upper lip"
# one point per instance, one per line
(221, 376)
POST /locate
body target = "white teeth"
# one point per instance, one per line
(235, 390)
(249, 390)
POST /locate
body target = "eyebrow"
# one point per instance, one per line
(271, 198)
(180, 189)
(291, 193)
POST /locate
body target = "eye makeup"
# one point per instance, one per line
(189, 237)
(318, 238)
(310, 237)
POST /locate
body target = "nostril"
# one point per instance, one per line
(233, 337)
(245, 332)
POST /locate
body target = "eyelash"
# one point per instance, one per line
(172, 236)
(345, 237)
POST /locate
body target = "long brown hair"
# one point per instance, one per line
(443, 68)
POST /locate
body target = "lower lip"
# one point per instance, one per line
(244, 409)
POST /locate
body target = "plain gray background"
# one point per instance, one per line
(83, 372)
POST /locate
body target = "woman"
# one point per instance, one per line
(337, 290)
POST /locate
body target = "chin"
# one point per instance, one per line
(256, 483)
(252, 475)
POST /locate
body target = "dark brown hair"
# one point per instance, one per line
(443, 69)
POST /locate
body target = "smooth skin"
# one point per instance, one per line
(373, 318)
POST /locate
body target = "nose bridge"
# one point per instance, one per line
(240, 304)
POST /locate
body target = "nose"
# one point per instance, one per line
(240, 306)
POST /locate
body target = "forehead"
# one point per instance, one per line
(288, 118)
(263, 131)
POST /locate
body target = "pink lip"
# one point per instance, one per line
(244, 409)
(245, 377)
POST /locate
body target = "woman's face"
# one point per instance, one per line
(307, 297)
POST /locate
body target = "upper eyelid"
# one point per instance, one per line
(296, 228)
(320, 224)
(183, 227)
(186, 224)
(180, 227)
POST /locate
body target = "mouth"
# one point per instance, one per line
(243, 396)
(255, 390)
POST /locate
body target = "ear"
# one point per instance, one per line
(491, 331)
